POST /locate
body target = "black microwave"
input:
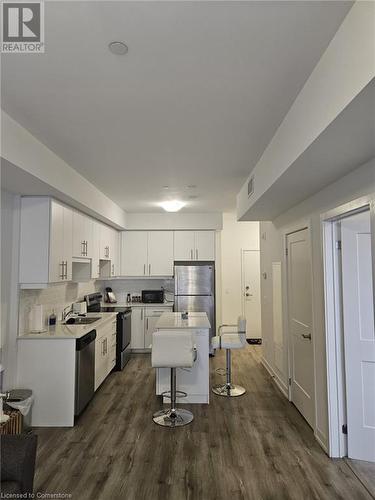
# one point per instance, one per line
(152, 296)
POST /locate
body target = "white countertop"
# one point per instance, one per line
(61, 331)
(173, 320)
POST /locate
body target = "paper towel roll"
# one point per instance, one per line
(36, 320)
(241, 324)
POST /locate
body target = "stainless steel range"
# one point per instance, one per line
(123, 326)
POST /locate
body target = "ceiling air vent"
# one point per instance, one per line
(250, 187)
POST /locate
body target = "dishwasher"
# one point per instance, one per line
(85, 371)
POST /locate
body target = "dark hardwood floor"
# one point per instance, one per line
(254, 447)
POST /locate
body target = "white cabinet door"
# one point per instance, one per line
(138, 329)
(82, 235)
(149, 330)
(184, 246)
(68, 241)
(100, 361)
(134, 253)
(204, 245)
(105, 242)
(56, 260)
(160, 253)
(95, 268)
(114, 252)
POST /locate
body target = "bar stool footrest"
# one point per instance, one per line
(179, 394)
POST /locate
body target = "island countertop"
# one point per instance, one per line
(173, 320)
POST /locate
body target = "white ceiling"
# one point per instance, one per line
(195, 102)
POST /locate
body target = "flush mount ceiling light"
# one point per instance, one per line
(172, 205)
(118, 48)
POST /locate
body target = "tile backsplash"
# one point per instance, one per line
(54, 297)
(58, 296)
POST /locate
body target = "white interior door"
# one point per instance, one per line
(359, 336)
(300, 323)
(251, 293)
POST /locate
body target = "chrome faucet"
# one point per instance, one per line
(66, 312)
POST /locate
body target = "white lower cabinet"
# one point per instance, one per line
(138, 328)
(105, 351)
(144, 320)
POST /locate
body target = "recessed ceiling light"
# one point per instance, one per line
(172, 205)
(118, 48)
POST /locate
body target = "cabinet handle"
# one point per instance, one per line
(191, 254)
(142, 314)
(149, 269)
(65, 269)
(62, 275)
(82, 248)
(144, 269)
(147, 324)
(196, 253)
(113, 269)
(86, 252)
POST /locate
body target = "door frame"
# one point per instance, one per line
(301, 226)
(334, 332)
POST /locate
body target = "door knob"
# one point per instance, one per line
(306, 336)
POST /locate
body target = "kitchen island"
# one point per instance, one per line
(194, 381)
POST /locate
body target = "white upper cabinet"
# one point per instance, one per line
(114, 252)
(147, 253)
(184, 245)
(61, 243)
(204, 245)
(134, 253)
(160, 253)
(105, 242)
(194, 245)
(95, 267)
(83, 245)
(46, 242)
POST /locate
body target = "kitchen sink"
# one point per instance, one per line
(80, 320)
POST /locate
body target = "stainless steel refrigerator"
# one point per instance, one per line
(195, 290)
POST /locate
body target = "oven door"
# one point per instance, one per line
(124, 330)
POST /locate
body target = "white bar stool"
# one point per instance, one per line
(173, 349)
(234, 339)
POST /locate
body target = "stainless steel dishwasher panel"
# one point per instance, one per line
(85, 371)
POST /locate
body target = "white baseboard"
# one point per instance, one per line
(278, 381)
(322, 440)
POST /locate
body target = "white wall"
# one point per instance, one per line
(235, 236)
(22, 151)
(180, 220)
(358, 183)
(345, 68)
(10, 211)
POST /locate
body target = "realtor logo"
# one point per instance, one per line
(22, 27)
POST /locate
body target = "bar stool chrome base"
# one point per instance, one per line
(228, 390)
(173, 418)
